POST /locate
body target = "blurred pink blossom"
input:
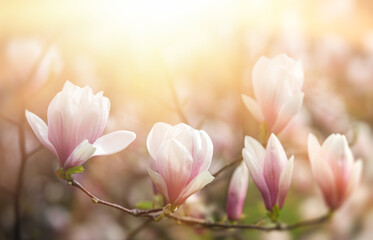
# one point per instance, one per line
(334, 168)
(270, 169)
(23, 56)
(278, 92)
(182, 156)
(237, 192)
(76, 122)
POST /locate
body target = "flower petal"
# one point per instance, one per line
(41, 130)
(202, 153)
(285, 180)
(287, 112)
(155, 138)
(355, 177)
(81, 154)
(195, 185)
(274, 162)
(237, 192)
(175, 167)
(257, 175)
(314, 147)
(113, 142)
(256, 149)
(253, 107)
(322, 172)
(160, 183)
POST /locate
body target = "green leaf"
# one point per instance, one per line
(144, 205)
(73, 170)
(274, 213)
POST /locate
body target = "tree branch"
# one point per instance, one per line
(134, 212)
(157, 213)
(276, 227)
(231, 164)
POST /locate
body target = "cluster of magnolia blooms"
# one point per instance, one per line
(181, 155)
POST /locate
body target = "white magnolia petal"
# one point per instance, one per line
(314, 147)
(256, 173)
(256, 149)
(80, 155)
(274, 162)
(285, 180)
(262, 84)
(40, 129)
(290, 108)
(113, 142)
(160, 183)
(202, 152)
(324, 177)
(355, 176)
(155, 138)
(179, 158)
(253, 107)
(195, 185)
(274, 147)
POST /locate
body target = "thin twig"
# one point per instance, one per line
(195, 221)
(231, 164)
(276, 227)
(134, 212)
(138, 229)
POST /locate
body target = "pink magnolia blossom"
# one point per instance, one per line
(237, 192)
(76, 122)
(270, 169)
(277, 85)
(334, 168)
(182, 156)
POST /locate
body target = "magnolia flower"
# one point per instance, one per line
(237, 192)
(182, 156)
(277, 87)
(334, 168)
(270, 169)
(76, 121)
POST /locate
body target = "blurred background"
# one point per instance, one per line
(170, 60)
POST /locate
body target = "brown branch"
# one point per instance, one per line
(157, 213)
(276, 227)
(134, 212)
(231, 164)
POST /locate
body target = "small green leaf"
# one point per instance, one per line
(73, 170)
(274, 213)
(144, 205)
